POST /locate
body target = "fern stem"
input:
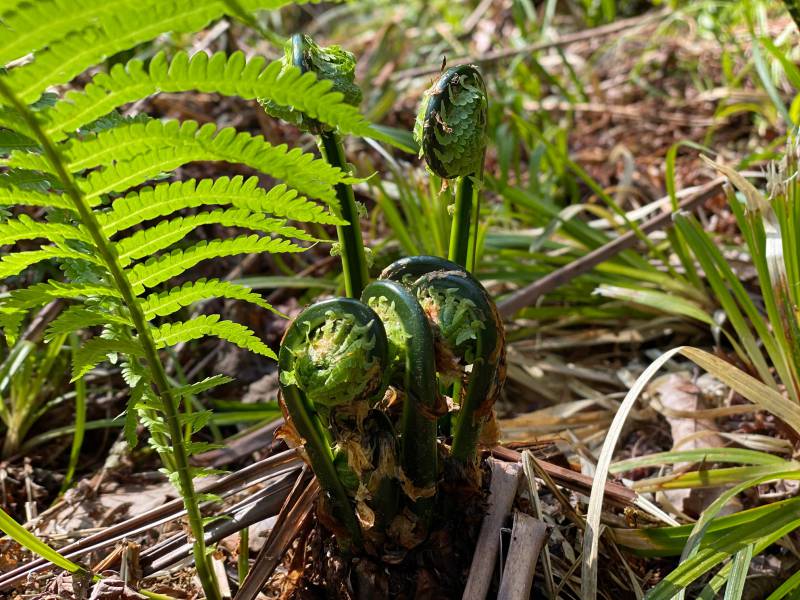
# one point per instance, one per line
(462, 248)
(351, 243)
(107, 254)
(398, 308)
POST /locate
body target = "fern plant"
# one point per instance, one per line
(118, 243)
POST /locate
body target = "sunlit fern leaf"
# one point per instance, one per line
(79, 317)
(170, 334)
(160, 269)
(14, 196)
(14, 264)
(96, 350)
(83, 45)
(132, 154)
(167, 198)
(231, 75)
(29, 26)
(171, 301)
(147, 242)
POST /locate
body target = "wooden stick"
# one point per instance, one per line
(528, 295)
(503, 489)
(527, 539)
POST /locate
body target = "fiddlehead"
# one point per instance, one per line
(411, 268)
(331, 361)
(337, 65)
(451, 132)
(411, 344)
(468, 332)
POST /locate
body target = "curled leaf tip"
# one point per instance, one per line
(331, 63)
(451, 123)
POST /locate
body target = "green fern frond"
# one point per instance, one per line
(25, 228)
(167, 198)
(94, 351)
(171, 301)
(231, 75)
(160, 269)
(16, 263)
(79, 317)
(136, 152)
(170, 334)
(147, 242)
(83, 45)
(14, 196)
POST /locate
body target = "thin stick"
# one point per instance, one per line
(528, 536)
(529, 294)
(503, 489)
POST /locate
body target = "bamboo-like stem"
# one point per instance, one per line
(156, 368)
(351, 243)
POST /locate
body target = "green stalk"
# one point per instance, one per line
(351, 243)
(331, 371)
(107, 254)
(402, 315)
(80, 422)
(462, 245)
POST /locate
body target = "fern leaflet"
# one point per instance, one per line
(170, 334)
(171, 301)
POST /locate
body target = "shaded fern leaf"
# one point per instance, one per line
(14, 264)
(41, 293)
(95, 350)
(79, 317)
(84, 43)
(167, 198)
(209, 383)
(171, 301)
(160, 269)
(231, 75)
(170, 334)
(147, 242)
